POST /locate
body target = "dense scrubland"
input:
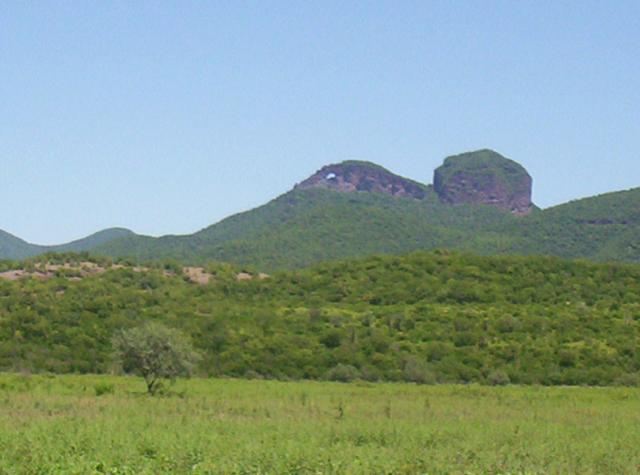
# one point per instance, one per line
(104, 424)
(424, 318)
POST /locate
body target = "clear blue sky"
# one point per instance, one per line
(165, 117)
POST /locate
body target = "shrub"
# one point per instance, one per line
(629, 379)
(156, 353)
(370, 373)
(103, 388)
(343, 373)
(251, 374)
(418, 371)
(332, 339)
(498, 378)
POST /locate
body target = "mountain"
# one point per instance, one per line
(310, 225)
(12, 247)
(480, 202)
(343, 210)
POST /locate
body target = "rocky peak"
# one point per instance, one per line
(353, 176)
(484, 177)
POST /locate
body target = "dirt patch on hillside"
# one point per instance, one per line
(78, 271)
(81, 270)
(13, 274)
(197, 275)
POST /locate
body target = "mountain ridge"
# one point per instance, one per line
(356, 208)
(13, 247)
(351, 176)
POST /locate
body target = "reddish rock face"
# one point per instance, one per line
(362, 176)
(484, 177)
(465, 188)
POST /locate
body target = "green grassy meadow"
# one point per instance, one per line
(104, 424)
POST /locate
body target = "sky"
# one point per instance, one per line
(165, 117)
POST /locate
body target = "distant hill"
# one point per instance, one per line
(12, 247)
(94, 240)
(480, 202)
(604, 227)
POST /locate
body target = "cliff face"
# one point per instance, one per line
(484, 177)
(363, 176)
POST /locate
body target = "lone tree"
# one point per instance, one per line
(156, 353)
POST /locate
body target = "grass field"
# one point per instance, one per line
(101, 424)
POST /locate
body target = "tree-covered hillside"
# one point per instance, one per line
(480, 203)
(604, 227)
(423, 317)
(307, 226)
(303, 227)
(12, 247)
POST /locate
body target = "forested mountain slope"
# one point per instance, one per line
(481, 202)
(12, 247)
(307, 226)
(605, 227)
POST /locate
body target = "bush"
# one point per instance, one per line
(343, 373)
(370, 373)
(251, 374)
(498, 378)
(418, 371)
(156, 353)
(629, 379)
(103, 388)
(332, 339)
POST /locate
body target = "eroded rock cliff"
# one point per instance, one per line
(484, 177)
(353, 176)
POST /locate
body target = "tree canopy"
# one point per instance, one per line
(155, 352)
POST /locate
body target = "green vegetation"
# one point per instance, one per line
(57, 424)
(603, 228)
(307, 226)
(155, 352)
(482, 167)
(12, 247)
(425, 317)
(304, 227)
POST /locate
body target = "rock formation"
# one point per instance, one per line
(353, 176)
(484, 177)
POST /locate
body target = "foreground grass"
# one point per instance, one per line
(59, 425)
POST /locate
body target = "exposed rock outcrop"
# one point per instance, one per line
(353, 176)
(484, 177)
